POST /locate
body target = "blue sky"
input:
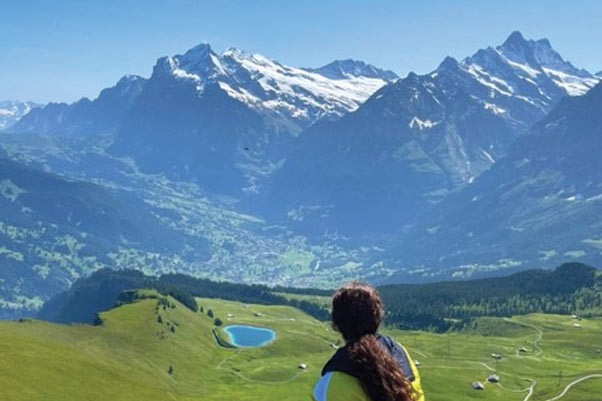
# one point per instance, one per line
(62, 50)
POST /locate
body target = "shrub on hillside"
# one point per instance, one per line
(97, 320)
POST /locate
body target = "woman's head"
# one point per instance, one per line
(356, 310)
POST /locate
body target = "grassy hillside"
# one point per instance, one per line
(570, 288)
(128, 356)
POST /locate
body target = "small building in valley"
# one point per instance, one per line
(493, 378)
(477, 385)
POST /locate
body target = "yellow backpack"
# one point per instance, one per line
(339, 382)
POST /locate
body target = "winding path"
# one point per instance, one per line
(531, 388)
(571, 384)
(539, 337)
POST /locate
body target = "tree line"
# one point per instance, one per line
(570, 288)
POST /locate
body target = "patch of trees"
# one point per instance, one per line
(571, 288)
(184, 297)
(105, 288)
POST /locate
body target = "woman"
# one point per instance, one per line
(371, 366)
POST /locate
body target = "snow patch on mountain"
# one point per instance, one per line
(11, 111)
(276, 90)
(494, 109)
(538, 57)
(422, 124)
(529, 71)
(574, 86)
(344, 69)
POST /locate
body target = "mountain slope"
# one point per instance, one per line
(227, 120)
(537, 206)
(420, 138)
(11, 111)
(53, 230)
(99, 116)
(295, 94)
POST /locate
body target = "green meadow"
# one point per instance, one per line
(157, 350)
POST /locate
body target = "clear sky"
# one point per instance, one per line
(61, 50)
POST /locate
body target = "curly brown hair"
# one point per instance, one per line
(357, 312)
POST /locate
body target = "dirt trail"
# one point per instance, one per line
(538, 350)
(571, 384)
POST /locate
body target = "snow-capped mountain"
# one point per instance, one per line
(523, 79)
(345, 69)
(293, 98)
(11, 111)
(228, 120)
(101, 115)
(421, 138)
(538, 206)
(599, 74)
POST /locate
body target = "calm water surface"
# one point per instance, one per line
(249, 336)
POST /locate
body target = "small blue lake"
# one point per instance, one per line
(249, 336)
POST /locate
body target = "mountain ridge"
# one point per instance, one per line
(339, 69)
(98, 116)
(420, 138)
(537, 205)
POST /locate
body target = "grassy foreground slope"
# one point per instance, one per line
(129, 356)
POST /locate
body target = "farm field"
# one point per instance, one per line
(157, 349)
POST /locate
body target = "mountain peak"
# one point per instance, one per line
(201, 54)
(129, 79)
(544, 42)
(342, 69)
(200, 49)
(518, 49)
(233, 51)
(516, 38)
(448, 63)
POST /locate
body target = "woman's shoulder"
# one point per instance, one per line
(339, 386)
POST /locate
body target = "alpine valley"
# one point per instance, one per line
(236, 167)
